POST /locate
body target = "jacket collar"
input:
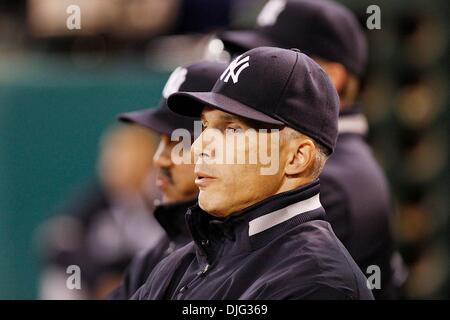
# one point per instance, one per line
(254, 226)
(171, 217)
(352, 121)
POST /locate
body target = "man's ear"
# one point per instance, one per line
(301, 157)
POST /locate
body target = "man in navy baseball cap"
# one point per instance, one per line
(320, 28)
(175, 180)
(354, 190)
(260, 234)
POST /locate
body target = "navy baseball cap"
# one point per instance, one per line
(274, 86)
(319, 28)
(200, 76)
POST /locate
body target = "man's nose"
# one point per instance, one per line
(162, 158)
(203, 146)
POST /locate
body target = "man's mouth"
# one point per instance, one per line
(163, 178)
(203, 179)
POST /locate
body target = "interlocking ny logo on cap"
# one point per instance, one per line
(230, 71)
(174, 82)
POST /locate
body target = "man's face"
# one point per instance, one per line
(227, 188)
(125, 160)
(176, 181)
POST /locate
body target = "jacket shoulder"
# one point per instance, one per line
(317, 267)
(158, 281)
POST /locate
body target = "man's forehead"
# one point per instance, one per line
(212, 114)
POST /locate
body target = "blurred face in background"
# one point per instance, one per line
(176, 181)
(347, 85)
(125, 160)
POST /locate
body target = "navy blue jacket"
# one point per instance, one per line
(279, 248)
(171, 217)
(355, 195)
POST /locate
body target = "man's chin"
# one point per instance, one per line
(210, 206)
(206, 203)
(202, 201)
(168, 198)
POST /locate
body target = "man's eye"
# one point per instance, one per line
(231, 130)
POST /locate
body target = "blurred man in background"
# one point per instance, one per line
(354, 191)
(103, 226)
(175, 180)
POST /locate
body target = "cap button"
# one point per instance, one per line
(296, 50)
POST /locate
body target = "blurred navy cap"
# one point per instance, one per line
(320, 28)
(200, 76)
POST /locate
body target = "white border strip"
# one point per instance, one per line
(272, 219)
(353, 124)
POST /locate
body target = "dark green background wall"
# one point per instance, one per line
(51, 117)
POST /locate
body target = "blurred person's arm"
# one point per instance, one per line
(138, 271)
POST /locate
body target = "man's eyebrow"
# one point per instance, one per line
(224, 117)
(246, 122)
(229, 117)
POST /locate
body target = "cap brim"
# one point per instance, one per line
(147, 118)
(244, 40)
(192, 103)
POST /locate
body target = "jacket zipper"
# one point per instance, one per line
(200, 275)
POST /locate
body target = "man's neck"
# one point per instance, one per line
(291, 184)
